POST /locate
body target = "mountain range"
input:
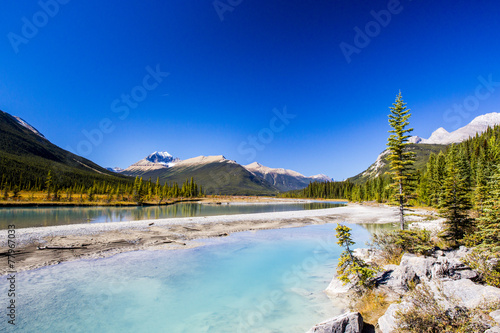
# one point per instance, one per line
(437, 142)
(26, 156)
(219, 175)
(477, 126)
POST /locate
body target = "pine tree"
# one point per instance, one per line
(400, 159)
(481, 190)
(455, 202)
(349, 265)
(489, 224)
(48, 184)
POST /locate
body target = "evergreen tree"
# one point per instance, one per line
(481, 190)
(349, 265)
(455, 202)
(48, 183)
(489, 224)
(400, 159)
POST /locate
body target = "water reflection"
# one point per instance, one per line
(49, 216)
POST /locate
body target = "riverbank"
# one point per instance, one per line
(44, 246)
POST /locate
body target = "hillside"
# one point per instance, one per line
(26, 156)
(283, 179)
(381, 165)
(215, 174)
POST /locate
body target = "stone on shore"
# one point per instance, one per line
(387, 323)
(351, 322)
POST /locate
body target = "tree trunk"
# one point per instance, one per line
(401, 207)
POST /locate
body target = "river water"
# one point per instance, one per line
(265, 281)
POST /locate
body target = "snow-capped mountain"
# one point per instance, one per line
(477, 126)
(28, 126)
(200, 160)
(163, 158)
(155, 161)
(283, 179)
(115, 169)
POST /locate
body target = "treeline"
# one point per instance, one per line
(139, 191)
(373, 189)
(477, 158)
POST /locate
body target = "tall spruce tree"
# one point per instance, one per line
(455, 202)
(489, 224)
(400, 158)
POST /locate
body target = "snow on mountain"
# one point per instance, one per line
(265, 170)
(477, 126)
(375, 169)
(283, 179)
(322, 178)
(163, 158)
(28, 126)
(115, 169)
(203, 160)
(154, 161)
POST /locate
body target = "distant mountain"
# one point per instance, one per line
(437, 142)
(477, 126)
(283, 179)
(26, 156)
(216, 174)
(115, 169)
(155, 161)
(381, 164)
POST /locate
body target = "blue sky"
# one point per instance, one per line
(291, 84)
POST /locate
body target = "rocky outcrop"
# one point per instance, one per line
(351, 322)
(444, 273)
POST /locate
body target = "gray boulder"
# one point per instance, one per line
(398, 279)
(495, 329)
(337, 288)
(387, 323)
(422, 266)
(468, 293)
(351, 322)
(496, 316)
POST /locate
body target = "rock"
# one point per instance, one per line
(400, 278)
(495, 315)
(387, 323)
(469, 293)
(367, 255)
(468, 274)
(422, 266)
(495, 329)
(351, 322)
(337, 288)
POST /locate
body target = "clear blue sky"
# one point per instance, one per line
(68, 68)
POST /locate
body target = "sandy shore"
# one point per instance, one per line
(38, 247)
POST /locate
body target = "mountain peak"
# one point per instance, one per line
(28, 126)
(160, 157)
(477, 126)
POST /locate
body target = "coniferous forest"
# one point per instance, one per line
(463, 183)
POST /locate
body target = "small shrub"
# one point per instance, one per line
(372, 305)
(394, 244)
(487, 264)
(425, 314)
